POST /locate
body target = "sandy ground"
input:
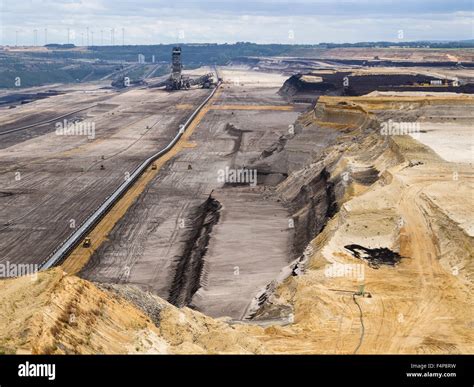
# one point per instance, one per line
(418, 207)
(61, 314)
(453, 142)
(422, 305)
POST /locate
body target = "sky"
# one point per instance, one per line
(212, 21)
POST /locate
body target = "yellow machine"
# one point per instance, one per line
(87, 242)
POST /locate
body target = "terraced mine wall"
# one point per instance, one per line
(301, 173)
(311, 190)
(315, 193)
(332, 84)
(319, 318)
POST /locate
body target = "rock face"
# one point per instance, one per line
(308, 87)
(381, 232)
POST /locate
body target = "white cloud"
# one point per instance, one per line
(261, 21)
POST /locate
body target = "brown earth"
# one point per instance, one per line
(418, 207)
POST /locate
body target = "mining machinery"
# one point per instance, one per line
(177, 81)
(206, 81)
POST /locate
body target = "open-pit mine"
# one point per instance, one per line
(318, 204)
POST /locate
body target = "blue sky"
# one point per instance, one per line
(261, 21)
